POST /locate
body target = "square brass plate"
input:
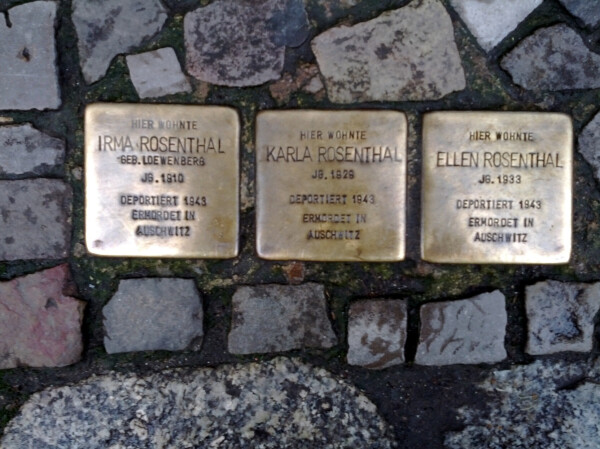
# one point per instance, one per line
(497, 187)
(331, 185)
(161, 180)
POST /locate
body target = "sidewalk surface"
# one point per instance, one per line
(110, 352)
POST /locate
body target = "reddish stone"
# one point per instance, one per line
(294, 272)
(305, 78)
(376, 333)
(39, 325)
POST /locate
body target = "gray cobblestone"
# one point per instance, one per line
(26, 151)
(465, 331)
(153, 314)
(405, 54)
(35, 219)
(28, 73)
(275, 318)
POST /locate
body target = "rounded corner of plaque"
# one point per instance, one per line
(565, 117)
(233, 112)
(93, 252)
(425, 256)
(565, 257)
(234, 253)
(91, 108)
(440, 258)
(262, 255)
(267, 255)
(96, 247)
(397, 113)
(424, 251)
(398, 256)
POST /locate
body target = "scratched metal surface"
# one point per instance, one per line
(161, 180)
(497, 187)
(331, 185)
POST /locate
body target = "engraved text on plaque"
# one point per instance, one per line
(161, 180)
(331, 185)
(497, 187)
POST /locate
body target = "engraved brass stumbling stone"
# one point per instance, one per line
(331, 185)
(497, 187)
(161, 180)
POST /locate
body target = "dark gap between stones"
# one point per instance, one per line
(7, 19)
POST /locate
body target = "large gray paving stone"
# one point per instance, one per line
(490, 21)
(153, 314)
(28, 73)
(26, 151)
(586, 10)
(466, 331)
(277, 404)
(157, 73)
(376, 333)
(275, 318)
(561, 316)
(553, 58)
(35, 219)
(404, 54)
(236, 43)
(333, 8)
(545, 405)
(40, 325)
(109, 27)
(588, 144)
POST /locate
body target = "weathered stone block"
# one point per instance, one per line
(157, 73)
(588, 144)
(277, 404)
(586, 10)
(40, 325)
(544, 405)
(235, 43)
(491, 21)
(561, 316)
(153, 314)
(275, 318)
(376, 333)
(35, 220)
(553, 58)
(465, 331)
(109, 27)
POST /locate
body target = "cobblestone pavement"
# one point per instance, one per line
(303, 354)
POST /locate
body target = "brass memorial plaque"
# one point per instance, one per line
(497, 187)
(161, 180)
(331, 185)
